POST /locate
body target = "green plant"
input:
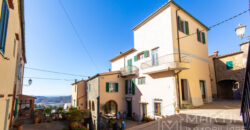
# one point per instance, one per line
(48, 111)
(75, 115)
(59, 110)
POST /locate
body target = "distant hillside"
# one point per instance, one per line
(52, 100)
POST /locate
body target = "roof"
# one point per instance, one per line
(26, 96)
(23, 28)
(104, 74)
(244, 43)
(123, 54)
(163, 8)
(229, 54)
(78, 82)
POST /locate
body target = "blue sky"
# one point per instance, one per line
(106, 29)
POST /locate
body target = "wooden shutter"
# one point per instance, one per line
(179, 22)
(135, 58)
(133, 86)
(2, 25)
(146, 53)
(107, 86)
(203, 37)
(198, 34)
(126, 86)
(116, 87)
(187, 28)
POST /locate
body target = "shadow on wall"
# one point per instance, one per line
(229, 80)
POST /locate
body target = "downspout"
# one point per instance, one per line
(177, 74)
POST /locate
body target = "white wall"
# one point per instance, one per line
(74, 95)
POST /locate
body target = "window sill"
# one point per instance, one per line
(2, 54)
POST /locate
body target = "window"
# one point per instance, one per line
(74, 103)
(141, 55)
(111, 87)
(141, 80)
(203, 89)
(155, 57)
(130, 86)
(144, 109)
(19, 71)
(183, 25)
(14, 48)
(3, 25)
(201, 36)
(229, 65)
(157, 107)
(75, 88)
(93, 106)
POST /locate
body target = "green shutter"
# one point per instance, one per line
(203, 37)
(107, 86)
(133, 86)
(229, 64)
(135, 58)
(126, 86)
(179, 23)
(146, 53)
(187, 28)
(16, 105)
(116, 87)
(198, 34)
(129, 62)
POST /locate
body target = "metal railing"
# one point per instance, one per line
(128, 70)
(245, 105)
(166, 59)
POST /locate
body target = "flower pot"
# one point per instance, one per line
(20, 127)
(178, 111)
(73, 125)
(36, 120)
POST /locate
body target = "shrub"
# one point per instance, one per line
(48, 111)
(75, 115)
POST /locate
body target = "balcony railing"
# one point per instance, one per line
(129, 70)
(170, 61)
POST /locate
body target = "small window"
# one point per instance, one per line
(111, 87)
(14, 48)
(89, 87)
(229, 65)
(183, 25)
(75, 88)
(141, 80)
(201, 36)
(157, 107)
(19, 71)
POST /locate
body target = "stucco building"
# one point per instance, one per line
(109, 87)
(168, 66)
(12, 59)
(79, 94)
(227, 73)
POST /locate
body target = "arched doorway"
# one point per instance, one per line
(228, 89)
(110, 107)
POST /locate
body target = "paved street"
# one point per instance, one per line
(218, 115)
(54, 125)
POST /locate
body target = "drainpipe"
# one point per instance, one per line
(178, 40)
(178, 88)
(179, 53)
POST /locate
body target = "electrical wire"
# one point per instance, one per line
(49, 71)
(77, 34)
(217, 24)
(48, 78)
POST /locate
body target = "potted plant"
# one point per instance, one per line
(59, 110)
(74, 118)
(19, 124)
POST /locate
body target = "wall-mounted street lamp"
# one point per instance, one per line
(240, 31)
(29, 82)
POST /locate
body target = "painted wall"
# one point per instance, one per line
(74, 95)
(82, 95)
(198, 52)
(8, 68)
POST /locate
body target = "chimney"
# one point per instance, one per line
(120, 52)
(88, 77)
(75, 80)
(109, 70)
(216, 53)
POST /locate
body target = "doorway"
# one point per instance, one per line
(203, 89)
(129, 108)
(184, 89)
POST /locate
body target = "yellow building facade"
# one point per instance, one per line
(12, 59)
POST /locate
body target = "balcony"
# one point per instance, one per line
(166, 63)
(129, 70)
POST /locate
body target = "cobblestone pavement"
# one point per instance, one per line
(218, 115)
